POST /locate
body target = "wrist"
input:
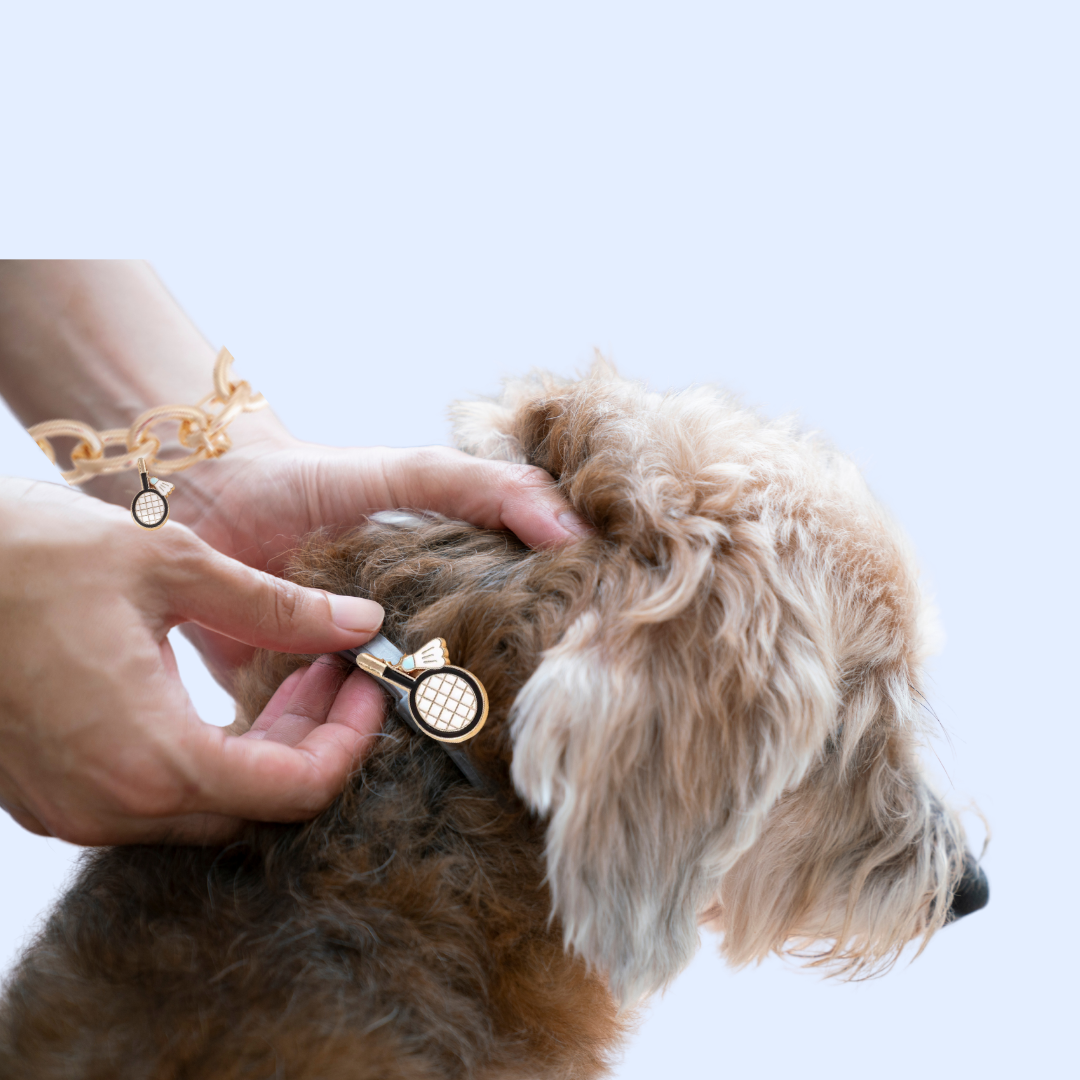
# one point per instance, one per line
(253, 437)
(95, 341)
(204, 490)
(217, 498)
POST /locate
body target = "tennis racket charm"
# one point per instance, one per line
(150, 508)
(448, 703)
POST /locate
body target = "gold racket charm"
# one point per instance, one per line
(448, 703)
(150, 508)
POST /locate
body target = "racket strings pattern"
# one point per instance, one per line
(447, 702)
(149, 509)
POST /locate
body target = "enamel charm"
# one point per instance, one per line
(150, 508)
(447, 703)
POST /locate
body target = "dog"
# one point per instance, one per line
(707, 713)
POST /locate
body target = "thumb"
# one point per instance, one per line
(199, 585)
(491, 494)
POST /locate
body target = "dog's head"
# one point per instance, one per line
(726, 728)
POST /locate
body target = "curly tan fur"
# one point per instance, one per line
(709, 711)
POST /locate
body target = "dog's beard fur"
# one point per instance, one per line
(712, 708)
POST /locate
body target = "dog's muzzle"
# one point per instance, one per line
(972, 893)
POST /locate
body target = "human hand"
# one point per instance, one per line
(272, 489)
(258, 500)
(99, 742)
(71, 333)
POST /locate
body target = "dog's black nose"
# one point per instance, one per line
(972, 893)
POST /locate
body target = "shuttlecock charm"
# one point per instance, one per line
(431, 655)
(150, 507)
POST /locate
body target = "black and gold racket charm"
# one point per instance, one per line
(150, 508)
(447, 703)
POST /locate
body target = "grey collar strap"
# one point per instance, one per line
(394, 676)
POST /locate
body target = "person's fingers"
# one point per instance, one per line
(492, 494)
(222, 655)
(309, 702)
(276, 705)
(25, 819)
(361, 705)
(198, 585)
(15, 801)
(265, 780)
(358, 710)
(29, 822)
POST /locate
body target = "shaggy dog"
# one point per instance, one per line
(709, 712)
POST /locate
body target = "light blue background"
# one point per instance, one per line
(863, 211)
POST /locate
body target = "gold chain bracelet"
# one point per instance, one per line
(201, 430)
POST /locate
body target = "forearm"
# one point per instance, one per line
(96, 341)
(102, 342)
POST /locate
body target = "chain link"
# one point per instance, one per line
(201, 430)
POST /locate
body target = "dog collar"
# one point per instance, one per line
(436, 699)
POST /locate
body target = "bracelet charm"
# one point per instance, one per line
(201, 432)
(150, 507)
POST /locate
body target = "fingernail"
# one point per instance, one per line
(575, 523)
(355, 614)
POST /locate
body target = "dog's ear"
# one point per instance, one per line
(657, 734)
(692, 683)
(491, 427)
(485, 429)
